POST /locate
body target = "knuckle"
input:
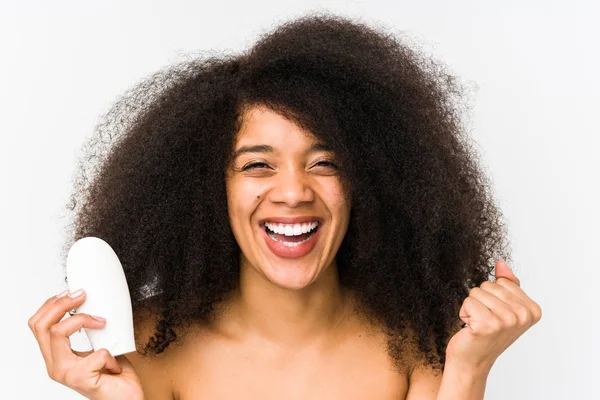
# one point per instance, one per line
(504, 282)
(510, 319)
(69, 379)
(486, 285)
(56, 376)
(495, 325)
(536, 315)
(61, 373)
(524, 315)
(31, 324)
(104, 354)
(54, 330)
(63, 301)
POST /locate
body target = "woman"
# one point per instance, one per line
(312, 224)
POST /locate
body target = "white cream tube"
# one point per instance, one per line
(93, 266)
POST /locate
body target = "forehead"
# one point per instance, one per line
(260, 124)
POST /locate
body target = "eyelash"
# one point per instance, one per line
(252, 165)
(255, 165)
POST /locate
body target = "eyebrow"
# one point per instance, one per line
(264, 148)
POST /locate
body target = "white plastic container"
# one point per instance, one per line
(92, 265)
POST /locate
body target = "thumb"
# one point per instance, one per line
(504, 271)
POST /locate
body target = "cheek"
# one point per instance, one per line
(243, 198)
(335, 198)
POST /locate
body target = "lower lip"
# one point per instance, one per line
(281, 250)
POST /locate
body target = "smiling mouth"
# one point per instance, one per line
(291, 236)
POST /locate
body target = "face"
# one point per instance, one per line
(286, 205)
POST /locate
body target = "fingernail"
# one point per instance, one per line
(99, 318)
(76, 293)
(62, 294)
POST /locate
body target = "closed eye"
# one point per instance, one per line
(254, 165)
(325, 163)
(261, 165)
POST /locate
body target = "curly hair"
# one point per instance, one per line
(423, 227)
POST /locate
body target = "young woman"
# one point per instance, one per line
(312, 224)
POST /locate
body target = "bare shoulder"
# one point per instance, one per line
(153, 370)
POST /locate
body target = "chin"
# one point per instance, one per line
(291, 278)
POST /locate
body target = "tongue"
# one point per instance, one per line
(298, 238)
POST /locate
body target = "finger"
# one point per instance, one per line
(504, 271)
(60, 346)
(101, 359)
(474, 313)
(55, 311)
(50, 314)
(499, 308)
(516, 292)
(504, 294)
(85, 371)
(514, 289)
(43, 310)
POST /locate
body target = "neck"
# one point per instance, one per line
(286, 316)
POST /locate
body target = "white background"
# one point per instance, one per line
(534, 67)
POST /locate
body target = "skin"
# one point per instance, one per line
(290, 331)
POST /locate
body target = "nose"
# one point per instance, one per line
(292, 187)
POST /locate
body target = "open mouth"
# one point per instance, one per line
(291, 235)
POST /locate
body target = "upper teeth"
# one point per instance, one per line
(291, 229)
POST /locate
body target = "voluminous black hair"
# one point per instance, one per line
(423, 227)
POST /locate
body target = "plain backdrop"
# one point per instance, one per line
(533, 70)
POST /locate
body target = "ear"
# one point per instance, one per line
(504, 271)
